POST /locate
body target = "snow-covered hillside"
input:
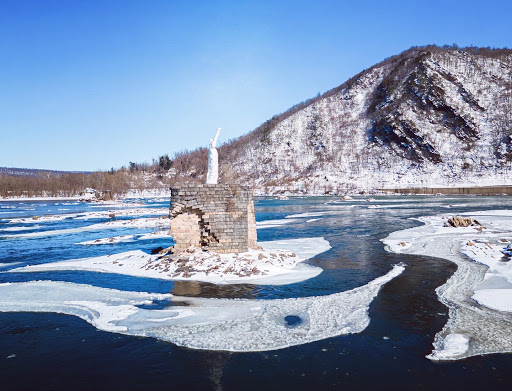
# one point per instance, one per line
(429, 116)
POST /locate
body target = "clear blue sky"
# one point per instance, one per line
(88, 85)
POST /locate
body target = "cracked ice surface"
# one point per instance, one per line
(214, 324)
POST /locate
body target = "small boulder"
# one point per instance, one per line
(157, 250)
(459, 221)
(166, 250)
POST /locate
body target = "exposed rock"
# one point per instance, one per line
(157, 250)
(167, 250)
(458, 221)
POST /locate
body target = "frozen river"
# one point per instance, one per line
(391, 322)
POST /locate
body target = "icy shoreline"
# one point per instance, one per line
(473, 328)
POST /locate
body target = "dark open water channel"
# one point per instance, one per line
(59, 352)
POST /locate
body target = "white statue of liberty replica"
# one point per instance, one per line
(213, 161)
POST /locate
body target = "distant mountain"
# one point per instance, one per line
(34, 172)
(428, 116)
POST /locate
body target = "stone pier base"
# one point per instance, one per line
(219, 218)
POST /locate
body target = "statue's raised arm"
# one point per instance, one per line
(213, 161)
(214, 141)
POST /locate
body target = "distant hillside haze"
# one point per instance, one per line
(428, 116)
(12, 171)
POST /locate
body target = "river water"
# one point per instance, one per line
(54, 351)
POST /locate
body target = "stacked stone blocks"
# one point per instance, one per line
(217, 217)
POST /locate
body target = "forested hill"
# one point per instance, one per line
(428, 116)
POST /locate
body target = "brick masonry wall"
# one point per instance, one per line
(215, 217)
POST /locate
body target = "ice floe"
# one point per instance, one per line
(157, 223)
(40, 219)
(453, 345)
(308, 214)
(8, 264)
(127, 238)
(213, 324)
(273, 223)
(101, 307)
(92, 215)
(123, 212)
(110, 240)
(498, 299)
(495, 291)
(20, 228)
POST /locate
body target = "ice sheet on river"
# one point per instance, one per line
(157, 223)
(213, 324)
(485, 276)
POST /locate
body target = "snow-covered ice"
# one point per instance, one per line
(498, 299)
(495, 291)
(485, 277)
(454, 345)
(110, 240)
(308, 214)
(127, 238)
(274, 223)
(157, 223)
(20, 228)
(213, 324)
